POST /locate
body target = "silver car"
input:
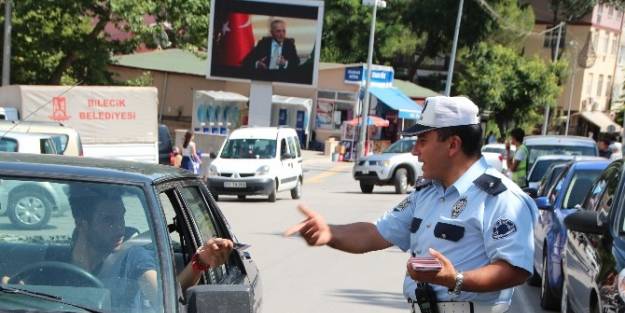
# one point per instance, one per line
(395, 166)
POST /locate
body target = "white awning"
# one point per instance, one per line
(306, 103)
(223, 96)
(602, 120)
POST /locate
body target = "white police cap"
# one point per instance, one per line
(441, 111)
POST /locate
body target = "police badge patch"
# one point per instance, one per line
(402, 205)
(458, 207)
(503, 228)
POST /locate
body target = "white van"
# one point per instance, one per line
(258, 161)
(66, 139)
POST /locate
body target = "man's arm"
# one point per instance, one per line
(353, 238)
(213, 253)
(496, 276)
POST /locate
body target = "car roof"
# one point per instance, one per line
(259, 132)
(566, 157)
(556, 140)
(599, 163)
(24, 136)
(37, 165)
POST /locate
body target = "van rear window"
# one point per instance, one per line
(8, 145)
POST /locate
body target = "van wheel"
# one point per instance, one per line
(30, 209)
(296, 192)
(272, 194)
(366, 188)
(241, 197)
(400, 180)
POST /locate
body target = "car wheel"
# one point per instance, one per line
(296, 192)
(548, 300)
(534, 280)
(272, 194)
(401, 181)
(241, 197)
(366, 188)
(564, 300)
(30, 209)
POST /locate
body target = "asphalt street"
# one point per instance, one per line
(297, 278)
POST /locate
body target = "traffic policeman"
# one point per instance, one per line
(472, 219)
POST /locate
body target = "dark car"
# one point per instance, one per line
(149, 218)
(594, 280)
(562, 198)
(165, 145)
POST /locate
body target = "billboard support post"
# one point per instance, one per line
(260, 103)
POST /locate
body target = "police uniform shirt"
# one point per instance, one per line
(483, 217)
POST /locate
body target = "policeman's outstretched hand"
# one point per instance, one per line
(313, 229)
(215, 251)
(446, 276)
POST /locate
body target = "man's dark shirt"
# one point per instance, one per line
(263, 50)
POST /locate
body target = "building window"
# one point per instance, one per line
(606, 43)
(599, 85)
(595, 40)
(551, 37)
(622, 54)
(589, 84)
(614, 46)
(334, 107)
(608, 88)
(599, 13)
(610, 11)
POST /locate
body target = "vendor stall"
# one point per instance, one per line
(292, 112)
(351, 129)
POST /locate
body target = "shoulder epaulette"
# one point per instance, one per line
(422, 183)
(490, 184)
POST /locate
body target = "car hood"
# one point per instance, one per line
(384, 156)
(240, 165)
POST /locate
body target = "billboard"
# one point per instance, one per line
(266, 40)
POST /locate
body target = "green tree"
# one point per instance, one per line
(513, 88)
(64, 41)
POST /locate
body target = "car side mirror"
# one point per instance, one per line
(212, 155)
(285, 155)
(586, 222)
(532, 192)
(220, 298)
(543, 204)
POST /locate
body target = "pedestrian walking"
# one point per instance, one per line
(467, 216)
(517, 163)
(190, 157)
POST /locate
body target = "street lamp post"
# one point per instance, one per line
(364, 114)
(568, 112)
(555, 60)
(6, 52)
(452, 58)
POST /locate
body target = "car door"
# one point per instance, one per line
(296, 155)
(285, 174)
(584, 262)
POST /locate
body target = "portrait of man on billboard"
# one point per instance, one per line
(275, 52)
(266, 40)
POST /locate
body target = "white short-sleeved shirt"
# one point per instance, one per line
(520, 155)
(490, 226)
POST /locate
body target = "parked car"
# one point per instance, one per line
(546, 184)
(66, 139)
(168, 214)
(165, 145)
(594, 259)
(542, 163)
(258, 161)
(495, 155)
(567, 193)
(396, 166)
(558, 145)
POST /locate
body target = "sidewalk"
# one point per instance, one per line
(311, 156)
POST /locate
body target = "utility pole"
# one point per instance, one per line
(568, 112)
(555, 59)
(364, 114)
(6, 49)
(452, 58)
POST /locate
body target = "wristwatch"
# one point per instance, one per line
(458, 286)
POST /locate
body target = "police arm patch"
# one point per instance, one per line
(503, 228)
(402, 205)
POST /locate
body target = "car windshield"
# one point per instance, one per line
(541, 167)
(536, 151)
(401, 146)
(579, 187)
(494, 149)
(85, 242)
(249, 149)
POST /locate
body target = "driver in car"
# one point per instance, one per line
(97, 240)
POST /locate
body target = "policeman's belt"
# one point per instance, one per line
(463, 307)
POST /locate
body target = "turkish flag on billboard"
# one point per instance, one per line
(238, 39)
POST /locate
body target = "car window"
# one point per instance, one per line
(8, 145)
(549, 180)
(554, 189)
(612, 176)
(47, 146)
(60, 142)
(401, 146)
(284, 147)
(293, 147)
(249, 149)
(538, 150)
(66, 235)
(540, 168)
(578, 188)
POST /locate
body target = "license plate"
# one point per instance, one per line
(365, 172)
(235, 184)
